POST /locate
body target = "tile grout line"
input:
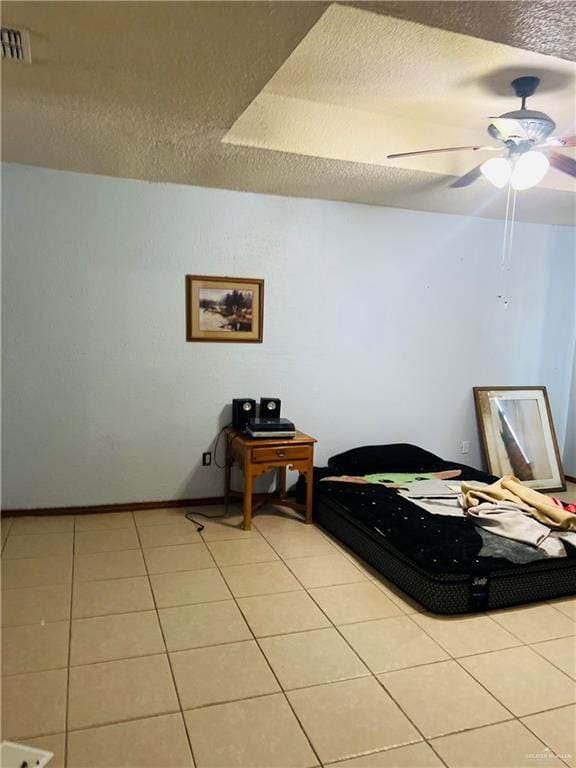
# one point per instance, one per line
(426, 739)
(471, 676)
(521, 643)
(116, 658)
(524, 645)
(204, 706)
(457, 660)
(550, 660)
(566, 598)
(109, 723)
(371, 674)
(2, 524)
(255, 639)
(551, 709)
(306, 590)
(489, 725)
(484, 614)
(527, 642)
(379, 682)
(169, 660)
(451, 657)
(551, 639)
(393, 748)
(91, 581)
(373, 753)
(541, 740)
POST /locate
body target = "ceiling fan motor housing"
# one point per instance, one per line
(537, 125)
(525, 86)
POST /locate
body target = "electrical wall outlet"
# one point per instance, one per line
(465, 448)
(206, 459)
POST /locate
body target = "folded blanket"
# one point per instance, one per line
(509, 488)
(514, 521)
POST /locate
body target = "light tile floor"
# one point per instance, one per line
(131, 640)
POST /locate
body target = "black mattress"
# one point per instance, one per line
(433, 558)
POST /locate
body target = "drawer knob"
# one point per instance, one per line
(280, 451)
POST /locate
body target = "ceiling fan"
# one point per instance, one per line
(529, 150)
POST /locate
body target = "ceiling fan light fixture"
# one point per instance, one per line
(529, 170)
(497, 170)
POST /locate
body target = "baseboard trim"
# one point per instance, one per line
(98, 508)
(138, 505)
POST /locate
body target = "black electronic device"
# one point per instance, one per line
(269, 408)
(243, 409)
(270, 428)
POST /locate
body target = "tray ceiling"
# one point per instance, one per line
(362, 85)
(156, 90)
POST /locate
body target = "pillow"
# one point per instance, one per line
(397, 457)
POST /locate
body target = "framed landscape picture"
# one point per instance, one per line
(518, 435)
(224, 309)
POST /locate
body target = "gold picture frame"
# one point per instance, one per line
(224, 309)
(518, 435)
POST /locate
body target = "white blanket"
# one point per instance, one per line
(506, 519)
(514, 521)
(435, 496)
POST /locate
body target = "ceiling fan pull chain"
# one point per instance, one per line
(506, 227)
(511, 231)
(506, 261)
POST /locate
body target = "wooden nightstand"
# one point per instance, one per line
(256, 456)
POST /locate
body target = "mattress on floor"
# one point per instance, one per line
(433, 558)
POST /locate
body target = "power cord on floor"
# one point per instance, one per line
(215, 450)
(199, 526)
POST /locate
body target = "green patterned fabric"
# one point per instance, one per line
(399, 478)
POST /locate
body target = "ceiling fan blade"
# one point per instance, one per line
(468, 178)
(509, 129)
(434, 151)
(563, 163)
(552, 141)
(558, 141)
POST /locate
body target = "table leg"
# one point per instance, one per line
(248, 485)
(309, 489)
(281, 482)
(227, 473)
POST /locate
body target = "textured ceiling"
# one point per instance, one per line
(148, 90)
(361, 85)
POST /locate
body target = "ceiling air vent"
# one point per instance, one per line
(16, 44)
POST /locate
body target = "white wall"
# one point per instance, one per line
(378, 322)
(570, 440)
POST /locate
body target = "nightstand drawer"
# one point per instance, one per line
(285, 453)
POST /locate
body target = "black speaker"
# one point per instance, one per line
(243, 408)
(269, 408)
